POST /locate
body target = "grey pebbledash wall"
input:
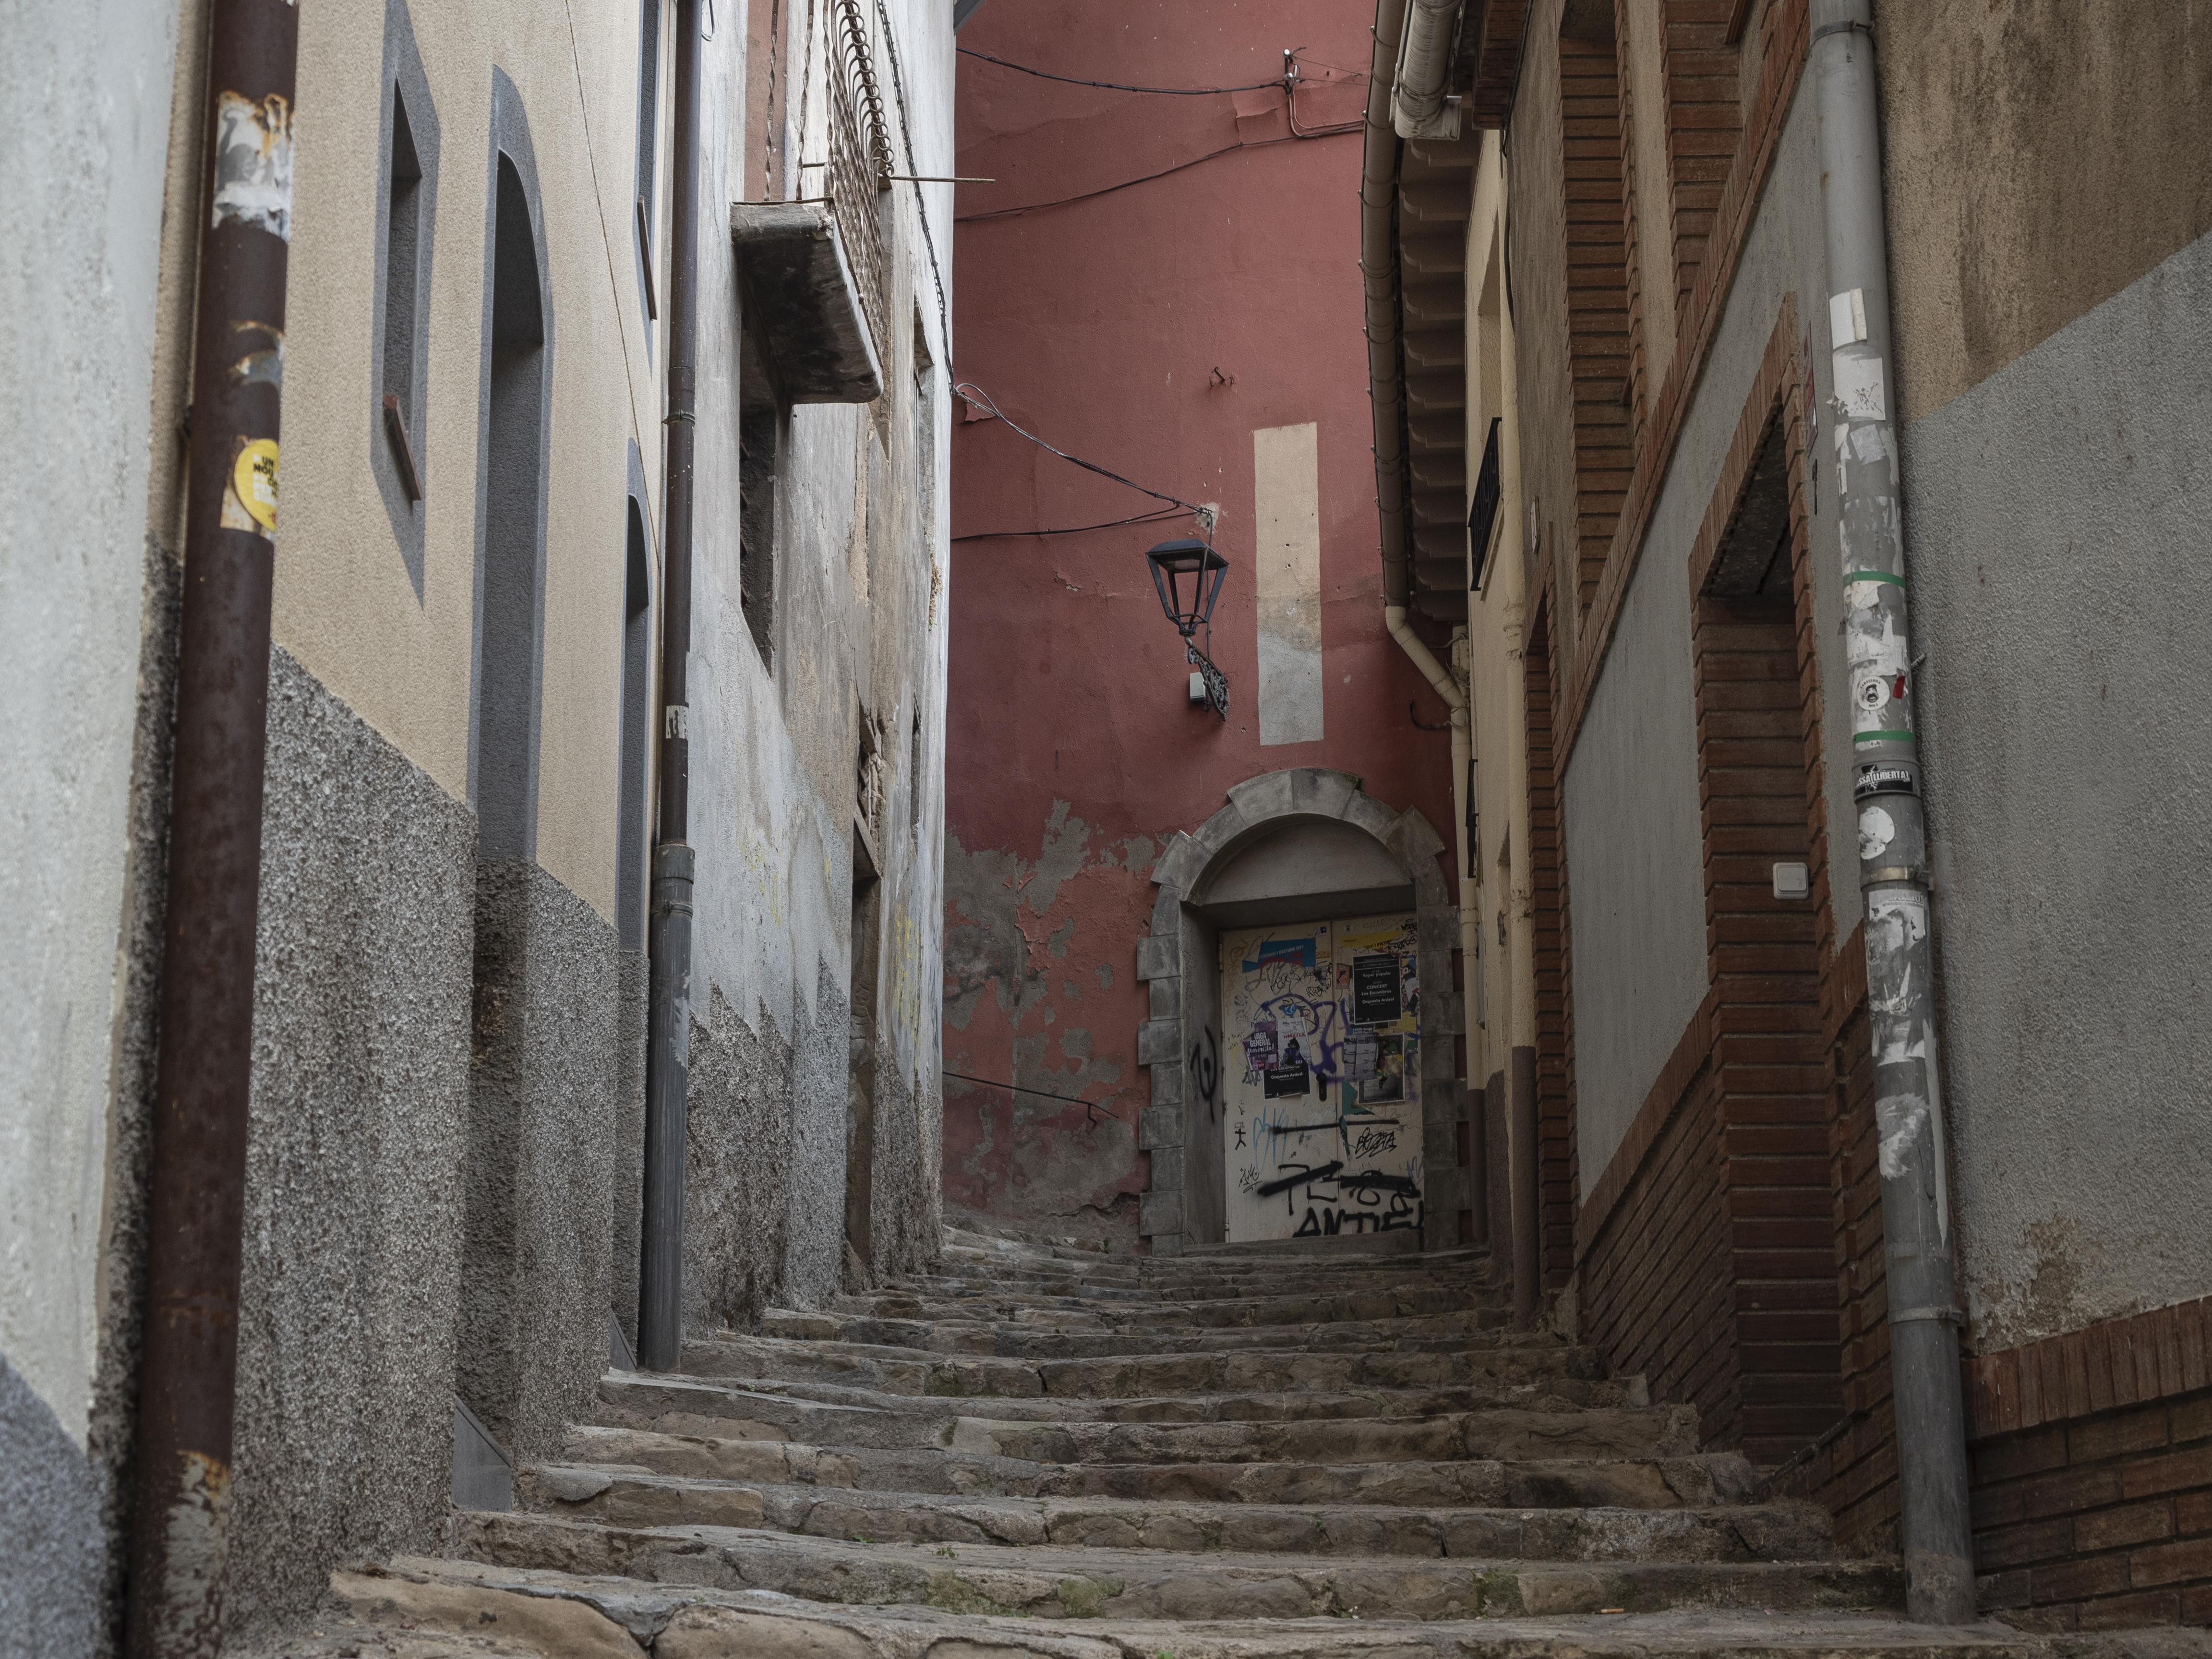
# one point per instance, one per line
(2060, 590)
(352, 1261)
(52, 1580)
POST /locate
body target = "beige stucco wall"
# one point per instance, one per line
(345, 606)
(2018, 199)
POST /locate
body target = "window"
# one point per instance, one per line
(630, 825)
(925, 430)
(407, 172)
(914, 773)
(648, 149)
(759, 438)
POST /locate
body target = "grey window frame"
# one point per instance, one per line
(405, 87)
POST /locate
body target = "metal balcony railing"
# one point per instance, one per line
(859, 165)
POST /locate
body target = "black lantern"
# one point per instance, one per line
(1188, 576)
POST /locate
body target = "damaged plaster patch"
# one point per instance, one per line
(1023, 940)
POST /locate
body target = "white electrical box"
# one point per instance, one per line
(1792, 881)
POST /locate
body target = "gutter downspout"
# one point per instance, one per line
(668, 945)
(1378, 269)
(1378, 266)
(1419, 108)
(1923, 1317)
(196, 1202)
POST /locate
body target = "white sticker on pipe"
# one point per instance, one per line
(253, 163)
(1876, 830)
(1847, 324)
(1859, 388)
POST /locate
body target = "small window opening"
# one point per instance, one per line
(914, 776)
(759, 438)
(924, 426)
(403, 230)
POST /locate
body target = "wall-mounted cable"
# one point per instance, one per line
(974, 394)
(1117, 86)
(1070, 529)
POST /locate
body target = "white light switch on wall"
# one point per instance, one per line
(1792, 881)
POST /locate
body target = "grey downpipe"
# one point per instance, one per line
(1923, 1317)
(1378, 270)
(668, 943)
(1419, 108)
(196, 1198)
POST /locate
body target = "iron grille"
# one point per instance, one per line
(859, 167)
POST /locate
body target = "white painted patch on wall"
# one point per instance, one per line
(1287, 519)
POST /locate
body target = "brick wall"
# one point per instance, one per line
(1555, 1102)
(2103, 1521)
(1855, 1475)
(1656, 1299)
(1597, 301)
(1705, 123)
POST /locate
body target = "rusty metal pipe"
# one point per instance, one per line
(188, 1372)
(668, 945)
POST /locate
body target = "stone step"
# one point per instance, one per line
(1496, 1432)
(1431, 1331)
(1542, 1363)
(1046, 1582)
(419, 1608)
(1281, 1306)
(634, 1400)
(689, 1447)
(621, 1497)
(1257, 1406)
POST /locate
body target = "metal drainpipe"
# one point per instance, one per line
(668, 945)
(1923, 1317)
(196, 1204)
(1418, 106)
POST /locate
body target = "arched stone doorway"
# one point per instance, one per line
(1290, 849)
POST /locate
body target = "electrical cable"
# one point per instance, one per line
(976, 394)
(1070, 530)
(1108, 190)
(1091, 1106)
(1117, 85)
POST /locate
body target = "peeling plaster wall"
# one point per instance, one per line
(1036, 972)
(859, 631)
(2057, 513)
(1076, 753)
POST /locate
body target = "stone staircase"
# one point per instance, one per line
(1046, 1450)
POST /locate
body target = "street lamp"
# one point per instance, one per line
(1179, 569)
(1187, 575)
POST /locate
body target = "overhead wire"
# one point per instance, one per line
(983, 399)
(1095, 1108)
(1070, 529)
(1117, 86)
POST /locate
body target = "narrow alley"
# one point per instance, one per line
(1105, 830)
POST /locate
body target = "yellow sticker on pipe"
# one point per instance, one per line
(255, 482)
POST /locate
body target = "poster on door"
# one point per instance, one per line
(1321, 1133)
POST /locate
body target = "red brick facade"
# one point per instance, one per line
(1731, 1250)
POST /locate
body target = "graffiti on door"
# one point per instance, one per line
(1321, 1085)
